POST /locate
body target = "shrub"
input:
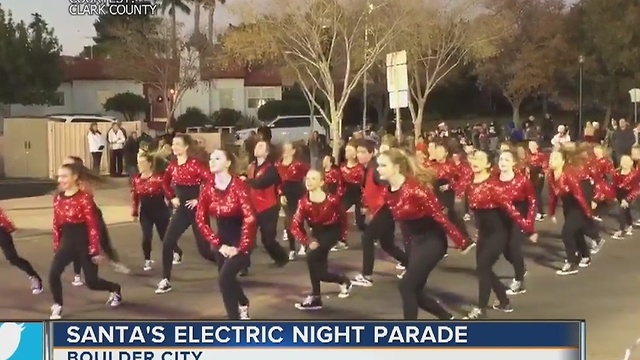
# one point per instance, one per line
(226, 117)
(192, 117)
(272, 109)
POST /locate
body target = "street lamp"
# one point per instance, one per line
(580, 100)
(364, 76)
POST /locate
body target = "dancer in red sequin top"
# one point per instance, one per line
(414, 204)
(538, 162)
(353, 177)
(76, 235)
(626, 181)
(183, 178)
(327, 219)
(11, 254)
(148, 203)
(226, 199)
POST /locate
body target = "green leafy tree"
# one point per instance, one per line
(128, 104)
(606, 34)
(105, 39)
(30, 70)
(173, 7)
(531, 56)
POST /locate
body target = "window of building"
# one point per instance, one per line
(58, 99)
(258, 96)
(225, 99)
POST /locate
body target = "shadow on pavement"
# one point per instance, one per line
(20, 188)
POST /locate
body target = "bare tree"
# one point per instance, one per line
(322, 42)
(146, 55)
(438, 36)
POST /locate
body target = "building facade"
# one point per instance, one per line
(88, 84)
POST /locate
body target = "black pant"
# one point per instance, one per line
(268, 227)
(573, 230)
(448, 200)
(538, 183)
(230, 288)
(116, 162)
(74, 245)
(289, 211)
(353, 197)
(317, 259)
(11, 254)
(180, 221)
(513, 249)
(96, 161)
(492, 240)
(105, 242)
(426, 251)
(381, 227)
(624, 214)
(148, 219)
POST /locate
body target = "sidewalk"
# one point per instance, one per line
(33, 216)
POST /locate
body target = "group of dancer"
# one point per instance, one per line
(417, 189)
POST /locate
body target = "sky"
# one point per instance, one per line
(75, 32)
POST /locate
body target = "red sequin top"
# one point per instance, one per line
(486, 195)
(292, 172)
(520, 189)
(5, 223)
(230, 203)
(191, 173)
(328, 212)
(629, 181)
(352, 174)
(413, 201)
(465, 177)
(446, 172)
(538, 160)
(143, 187)
(333, 182)
(568, 183)
(78, 208)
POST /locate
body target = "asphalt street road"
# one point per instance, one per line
(606, 294)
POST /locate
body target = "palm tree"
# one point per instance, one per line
(173, 7)
(210, 5)
(197, 8)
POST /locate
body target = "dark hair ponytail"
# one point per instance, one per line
(84, 174)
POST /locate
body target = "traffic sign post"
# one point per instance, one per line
(398, 85)
(635, 99)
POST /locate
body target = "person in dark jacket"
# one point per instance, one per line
(130, 154)
(623, 140)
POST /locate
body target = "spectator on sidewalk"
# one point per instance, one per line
(623, 140)
(130, 149)
(116, 138)
(97, 144)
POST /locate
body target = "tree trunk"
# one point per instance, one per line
(174, 33)
(417, 122)
(515, 107)
(336, 125)
(197, 7)
(210, 22)
(380, 103)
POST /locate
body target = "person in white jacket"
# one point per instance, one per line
(116, 138)
(97, 144)
(561, 138)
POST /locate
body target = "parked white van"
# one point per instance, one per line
(290, 128)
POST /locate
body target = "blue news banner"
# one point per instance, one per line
(214, 340)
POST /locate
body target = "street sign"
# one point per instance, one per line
(635, 95)
(398, 85)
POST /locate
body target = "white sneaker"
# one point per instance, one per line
(77, 281)
(177, 259)
(466, 217)
(56, 312)
(617, 235)
(243, 311)
(164, 286)
(115, 299)
(361, 280)
(401, 275)
(302, 251)
(36, 285)
(629, 231)
(148, 265)
(285, 236)
(121, 268)
(292, 255)
(345, 290)
(400, 266)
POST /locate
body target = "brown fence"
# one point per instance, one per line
(35, 148)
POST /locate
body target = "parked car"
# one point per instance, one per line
(79, 118)
(289, 128)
